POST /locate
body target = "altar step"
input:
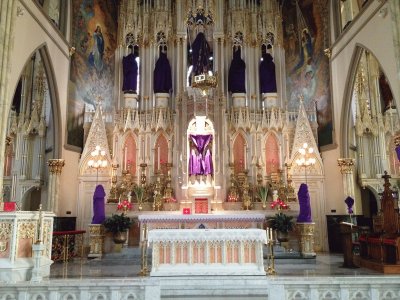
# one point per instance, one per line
(376, 266)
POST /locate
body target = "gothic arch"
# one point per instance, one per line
(238, 145)
(346, 115)
(130, 141)
(161, 150)
(53, 93)
(271, 152)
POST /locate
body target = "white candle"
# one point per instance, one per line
(245, 160)
(158, 158)
(125, 156)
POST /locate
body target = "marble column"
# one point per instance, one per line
(8, 11)
(346, 168)
(394, 7)
(306, 236)
(55, 168)
(96, 240)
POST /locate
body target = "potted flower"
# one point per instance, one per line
(283, 224)
(263, 195)
(118, 226)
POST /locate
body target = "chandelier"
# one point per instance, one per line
(205, 81)
(98, 160)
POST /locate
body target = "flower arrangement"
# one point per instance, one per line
(117, 223)
(280, 204)
(281, 222)
(170, 200)
(232, 198)
(125, 205)
(263, 195)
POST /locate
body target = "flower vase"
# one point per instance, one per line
(119, 237)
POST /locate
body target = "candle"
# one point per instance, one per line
(244, 152)
(158, 158)
(125, 156)
(119, 200)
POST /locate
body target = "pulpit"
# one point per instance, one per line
(347, 230)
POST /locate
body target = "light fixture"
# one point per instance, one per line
(99, 160)
(306, 158)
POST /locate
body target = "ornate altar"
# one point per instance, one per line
(207, 252)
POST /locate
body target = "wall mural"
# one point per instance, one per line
(307, 67)
(94, 36)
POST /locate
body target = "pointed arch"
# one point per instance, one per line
(48, 67)
(129, 154)
(272, 153)
(161, 150)
(239, 152)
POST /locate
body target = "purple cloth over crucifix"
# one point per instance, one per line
(267, 74)
(197, 161)
(305, 206)
(237, 74)
(162, 75)
(99, 214)
(398, 152)
(349, 202)
(130, 71)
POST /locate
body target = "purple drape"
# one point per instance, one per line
(200, 54)
(162, 75)
(305, 207)
(267, 74)
(398, 152)
(130, 70)
(197, 160)
(349, 202)
(99, 214)
(237, 74)
(208, 164)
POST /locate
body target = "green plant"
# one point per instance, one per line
(281, 222)
(117, 223)
(263, 194)
(139, 193)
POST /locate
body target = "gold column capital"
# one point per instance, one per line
(56, 165)
(346, 165)
(397, 140)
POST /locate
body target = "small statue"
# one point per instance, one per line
(305, 207)
(98, 205)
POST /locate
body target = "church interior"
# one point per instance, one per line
(199, 149)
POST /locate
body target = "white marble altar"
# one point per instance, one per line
(207, 252)
(171, 220)
(18, 233)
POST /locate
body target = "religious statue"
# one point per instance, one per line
(98, 205)
(96, 55)
(162, 75)
(237, 74)
(130, 71)
(200, 54)
(305, 206)
(267, 74)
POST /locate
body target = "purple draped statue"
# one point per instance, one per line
(237, 74)
(305, 206)
(398, 152)
(267, 74)
(130, 70)
(349, 202)
(98, 205)
(200, 54)
(162, 75)
(200, 163)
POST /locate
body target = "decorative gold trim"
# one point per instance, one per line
(56, 165)
(346, 165)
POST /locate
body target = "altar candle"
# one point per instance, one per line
(158, 158)
(244, 153)
(125, 156)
